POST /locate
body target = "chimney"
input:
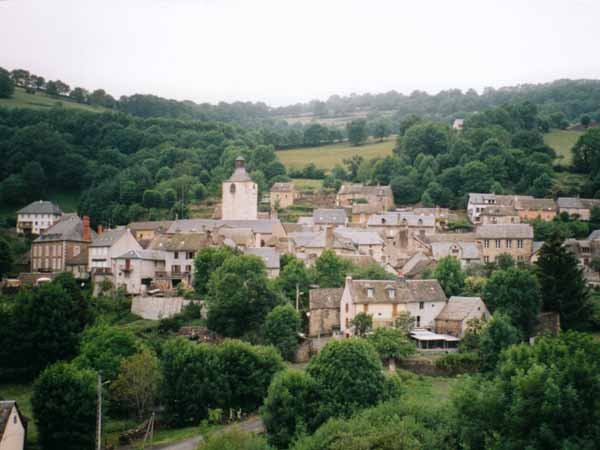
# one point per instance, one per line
(329, 236)
(86, 229)
(100, 230)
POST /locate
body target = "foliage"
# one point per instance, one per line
(294, 274)
(207, 261)
(330, 269)
(104, 347)
(137, 383)
(64, 407)
(6, 257)
(586, 152)
(234, 439)
(497, 334)
(362, 323)
(391, 344)
(515, 292)
(371, 271)
(404, 322)
(542, 396)
(291, 407)
(451, 277)
(562, 285)
(349, 375)
(7, 86)
(357, 131)
(239, 296)
(200, 377)
(459, 363)
(282, 326)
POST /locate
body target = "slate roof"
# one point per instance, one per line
(361, 189)
(537, 245)
(240, 174)
(69, 228)
(499, 211)
(282, 187)
(292, 227)
(150, 255)
(359, 237)
(309, 239)
(240, 236)
(157, 225)
(505, 231)
(594, 235)
(269, 255)
(416, 265)
(330, 216)
(536, 204)
(180, 242)
(6, 407)
(401, 218)
(406, 291)
(459, 308)
(108, 237)
(325, 298)
(576, 202)
(469, 250)
(41, 207)
(499, 200)
(263, 226)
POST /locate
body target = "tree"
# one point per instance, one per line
(206, 262)
(371, 271)
(381, 129)
(391, 344)
(294, 277)
(586, 152)
(6, 257)
(64, 407)
(451, 277)
(425, 138)
(496, 335)
(330, 269)
(239, 296)
(405, 190)
(585, 120)
(80, 95)
(234, 439)
(404, 322)
(291, 407)
(562, 285)
(362, 323)
(515, 292)
(51, 88)
(7, 85)
(152, 199)
(357, 131)
(282, 326)
(349, 375)
(137, 383)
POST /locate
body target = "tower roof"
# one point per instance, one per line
(240, 174)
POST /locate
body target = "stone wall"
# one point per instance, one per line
(156, 308)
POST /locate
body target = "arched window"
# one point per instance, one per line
(232, 188)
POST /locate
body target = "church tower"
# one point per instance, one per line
(240, 195)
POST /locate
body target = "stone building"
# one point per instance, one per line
(324, 309)
(513, 239)
(63, 247)
(107, 245)
(577, 207)
(13, 426)
(282, 195)
(536, 208)
(144, 232)
(136, 270)
(385, 299)
(499, 215)
(37, 217)
(379, 196)
(454, 318)
(240, 195)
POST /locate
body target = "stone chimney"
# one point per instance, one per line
(100, 230)
(86, 229)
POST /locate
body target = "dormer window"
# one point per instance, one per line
(370, 292)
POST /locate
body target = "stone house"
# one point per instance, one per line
(513, 239)
(13, 426)
(350, 194)
(329, 217)
(136, 270)
(499, 214)
(466, 252)
(239, 195)
(454, 318)
(270, 257)
(385, 299)
(309, 245)
(324, 310)
(478, 203)
(362, 211)
(144, 232)
(63, 247)
(536, 208)
(107, 245)
(365, 242)
(37, 217)
(577, 207)
(282, 195)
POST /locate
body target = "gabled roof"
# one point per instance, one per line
(401, 218)
(269, 255)
(41, 207)
(157, 225)
(109, 237)
(325, 298)
(459, 308)
(467, 249)
(405, 291)
(282, 187)
(180, 242)
(6, 407)
(361, 189)
(505, 231)
(594, 235)
(263, 226)
(577, 203)
(308, 239)
(536, 204)
(150, 255)
(416, 265)
(330, 216)
(358, 236)
(69, 228)
(499, 211)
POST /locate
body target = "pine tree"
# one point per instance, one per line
(563, 286)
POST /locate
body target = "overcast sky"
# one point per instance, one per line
(283, 51)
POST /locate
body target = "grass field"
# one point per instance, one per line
(327, 156)
(562, 141)
(22, 99)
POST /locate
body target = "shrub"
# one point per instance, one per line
(456, 363)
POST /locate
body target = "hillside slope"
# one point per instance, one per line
(40, 100)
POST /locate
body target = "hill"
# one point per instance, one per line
(562, 141)
(40, 100)
(328, 156)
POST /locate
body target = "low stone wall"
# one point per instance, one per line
(423, 365)
(310, 347)
(156, 308)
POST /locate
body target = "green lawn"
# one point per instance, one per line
(40, 100)
(562, 141)
(305, 184)
(327, 156)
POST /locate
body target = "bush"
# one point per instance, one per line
(457, 363)
(391, 344)
(234, 439)
(281, 330)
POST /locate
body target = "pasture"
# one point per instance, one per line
(40, 100)
(328, 156)
(562, 141)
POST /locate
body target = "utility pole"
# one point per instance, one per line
(297, 297)
(99, 414)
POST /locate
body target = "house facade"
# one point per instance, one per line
(37, 217)
(577, 207)
(282, 195)
(385, 299)
(378, 196)
(324, 310)
(454, 318)
(13, 426)
(513, 239)
(499, 215)
(137, 270)
(107, 245)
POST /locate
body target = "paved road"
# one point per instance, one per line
(252, 424)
